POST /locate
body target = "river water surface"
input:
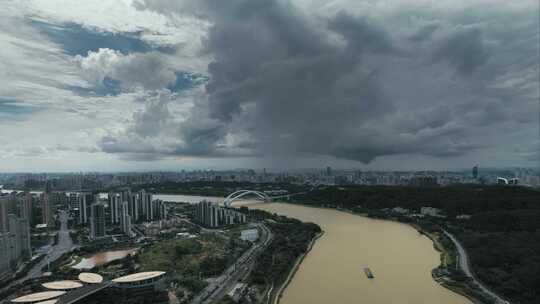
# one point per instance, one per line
(401, 260)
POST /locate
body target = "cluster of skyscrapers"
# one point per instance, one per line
(15, 218)
(213, 215)
(120, 209)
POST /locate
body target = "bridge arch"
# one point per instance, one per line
(241, 193)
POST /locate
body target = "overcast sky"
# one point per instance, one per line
(101, 85)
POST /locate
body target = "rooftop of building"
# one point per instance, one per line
(38, 296)
(140, 276)
(90, 278)
(62, 285)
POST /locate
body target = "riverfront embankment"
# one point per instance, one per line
(276, 296)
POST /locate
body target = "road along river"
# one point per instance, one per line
(400, 258)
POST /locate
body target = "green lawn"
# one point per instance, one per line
(208, 254)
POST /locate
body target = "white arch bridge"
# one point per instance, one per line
(242, 193)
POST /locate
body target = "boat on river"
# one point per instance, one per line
(368, 273)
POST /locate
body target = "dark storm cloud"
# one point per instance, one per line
(360, 34)
(529, 151)
(299, 92)
(201, 136)
(283, 83)
(424, 33)
(293, 87)
(465, 50)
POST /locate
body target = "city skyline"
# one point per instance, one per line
(153, 85)
(80, 181)
(322, 168)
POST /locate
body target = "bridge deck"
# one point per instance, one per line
(241, 193)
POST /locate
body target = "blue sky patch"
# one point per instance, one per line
(12, 110)
(78, 40)
(185, 81)
(109, 87)
(113, 87)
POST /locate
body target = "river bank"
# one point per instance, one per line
(446, 253)
(274, 299)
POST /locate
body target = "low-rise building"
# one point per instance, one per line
(430, 211)
(237, 292)
(400, 210)
(140, 279)
(249, 235)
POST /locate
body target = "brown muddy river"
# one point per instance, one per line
(400, 258)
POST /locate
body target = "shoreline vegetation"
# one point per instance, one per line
(276, 298)
(276, 266)
(446, 260)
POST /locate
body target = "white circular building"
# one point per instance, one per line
(140, 279)
(90, 278)
(62, 285)
(38, 297)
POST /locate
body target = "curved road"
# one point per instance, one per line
(65, 244)
(241, 268)
(466, 268)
